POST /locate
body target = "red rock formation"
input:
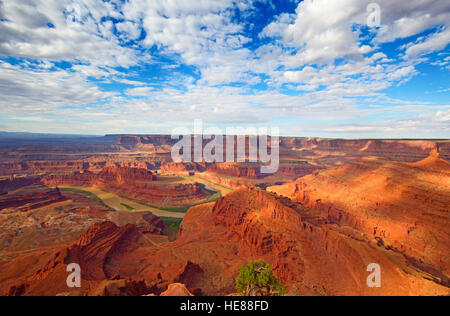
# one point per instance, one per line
(182, 168)
(13, 183)
(36, 216)
(177, 289)
(108, 177)
(297, 170)
(93, 250)
(152, 144)
(120, 288)
(403, 206)
(308, 253)
(401, 150)
(30, 197)
(153, 224)
(189, 273)
(239, 170)
(132, 183)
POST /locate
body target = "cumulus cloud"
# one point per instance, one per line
(63, 30)
(435, 42)
(318, 63)
(325, 30)
(33, 89)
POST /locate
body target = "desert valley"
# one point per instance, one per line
(139, 224)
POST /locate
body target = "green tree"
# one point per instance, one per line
(257, 279)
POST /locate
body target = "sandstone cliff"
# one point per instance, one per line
(132, 183)
(308, 251)
(405, 207)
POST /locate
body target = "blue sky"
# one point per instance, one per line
(322, 68)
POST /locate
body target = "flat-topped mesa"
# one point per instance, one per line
(125, 175)
(30, 197)
(239, 170)
(182, 167)
(400, 150)
(145, 139)
(110, 175)
(13, 183)
(152, 143)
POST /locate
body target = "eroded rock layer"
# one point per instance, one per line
(404, 206)
(308, 253)
(133, 183)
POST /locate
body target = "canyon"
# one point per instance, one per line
(135, 183)
(333, 208)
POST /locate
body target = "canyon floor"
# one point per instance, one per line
(139, 224)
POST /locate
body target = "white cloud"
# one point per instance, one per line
(317, 53)
(140, 92)
(37, 90)
(402, 19)
(324, 30)
(435, 42)
(63, 30)
(402, 73)
(129, 30)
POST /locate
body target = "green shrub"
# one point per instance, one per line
(257, 279)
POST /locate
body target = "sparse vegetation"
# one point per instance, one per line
(257, 279)
(213, 198)
(183, 209)
(173, 226)
(127, 206)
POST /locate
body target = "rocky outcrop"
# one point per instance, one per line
(93, 250)
(120, 288)
(182, 168)
(189, 273)
(152, 225)
(133, 183)
(152, 144)
(177, 289)
(108, 177)
(249, 171)
(400, 150)
(13, 183)
(402, 206)
(30, 197)
(65, 164)
(97, 252)
(310, 255)
(297, 170)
